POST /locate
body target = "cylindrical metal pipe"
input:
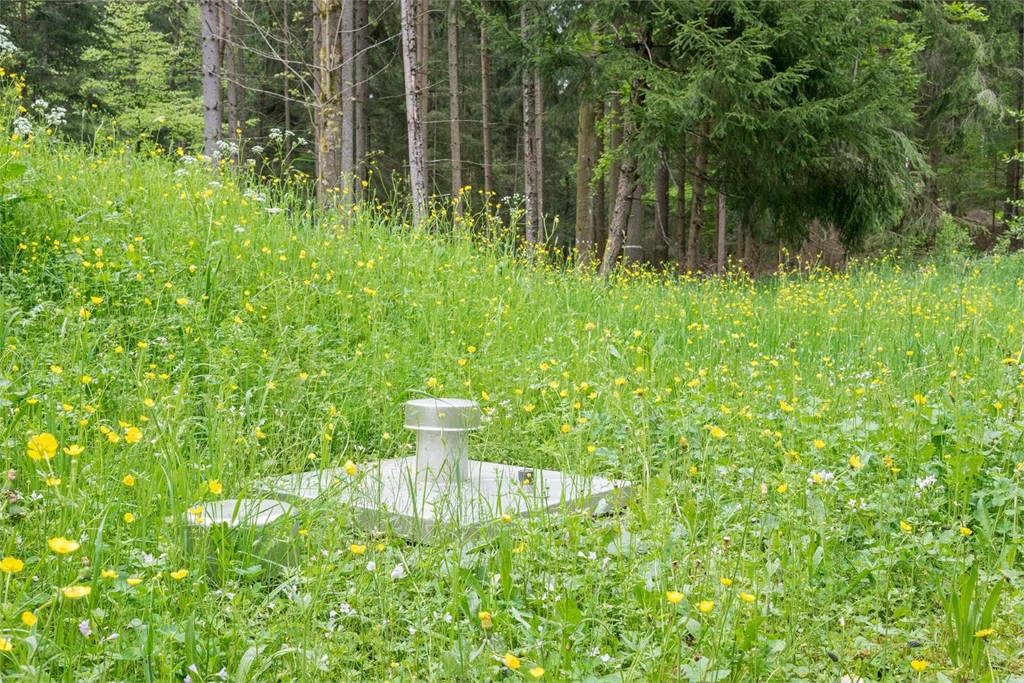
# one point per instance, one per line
(442, 427)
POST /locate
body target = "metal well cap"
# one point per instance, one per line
(442, 414)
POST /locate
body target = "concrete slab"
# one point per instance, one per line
(389, 495)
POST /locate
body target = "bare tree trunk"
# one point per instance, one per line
(599, 197)
(720, 261)
(679, 242)
(620, 215)
(626, 185)
(659, 255)
(616, 141)
(539, 84)
(414, 115)
(1011, 208)
(585, 144)
(327, 87)
(423, 83)
(741, 244)
(530, 165)
(633, 250)
(229, 53)
(485, 107)
(172, 72)
(212, 96)
(348, 101)
(453, 104)
(749, 250)
(700, 168)
(286, 84)
(362, 93)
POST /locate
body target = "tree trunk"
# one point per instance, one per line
(741, 245)
(700, 167)
(585, 145)
(659, 254)
(212, 96)
(422, 83)
(599, 197)
(624, 191)
(286, 84)
(633, 250)
(362, 93)
(232, 62)
(539, 86)
(485, 108)
(348, 101)
(749, 250)
(414, 115)
(720, 260)
(1012, 208)
(530, 162)
(453, 104)
(620, 215)
(616, 141)
(932, 182)
(679, 242)
(327, 90)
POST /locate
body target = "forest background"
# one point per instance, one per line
(679, 134)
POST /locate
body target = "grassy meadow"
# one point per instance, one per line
(827, 466)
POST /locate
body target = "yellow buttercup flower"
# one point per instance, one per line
(966, 531)
(984, 633)
(216, 488)
(855, 462)
(705, 606)
(747, 597)
(62, 545)
(5, 645)
(357, 549)
(108, 574)
(10, 565)
(350, 468)
(918, 664)
(717, 432)
(537, 671)
(42, 446)
(905, 526)
(129, 517)
(485, 619)
(76, 592)
(725, 581)
(786, 408)
(674, 597)
(179, 575)
(511, 661)
(133, 581)
(133, 435)
(74, 450)
(29, 619)
(128, 480)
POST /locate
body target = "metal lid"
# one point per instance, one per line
(239, 512)
(442, 414)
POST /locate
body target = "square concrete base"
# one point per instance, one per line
(388, 495)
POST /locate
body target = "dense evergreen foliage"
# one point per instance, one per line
(874, 122)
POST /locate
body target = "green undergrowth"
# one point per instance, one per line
(826, 466)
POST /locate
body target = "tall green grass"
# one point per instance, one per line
(818, 457)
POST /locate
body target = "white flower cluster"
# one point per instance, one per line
(7, 45)
(22, 126)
